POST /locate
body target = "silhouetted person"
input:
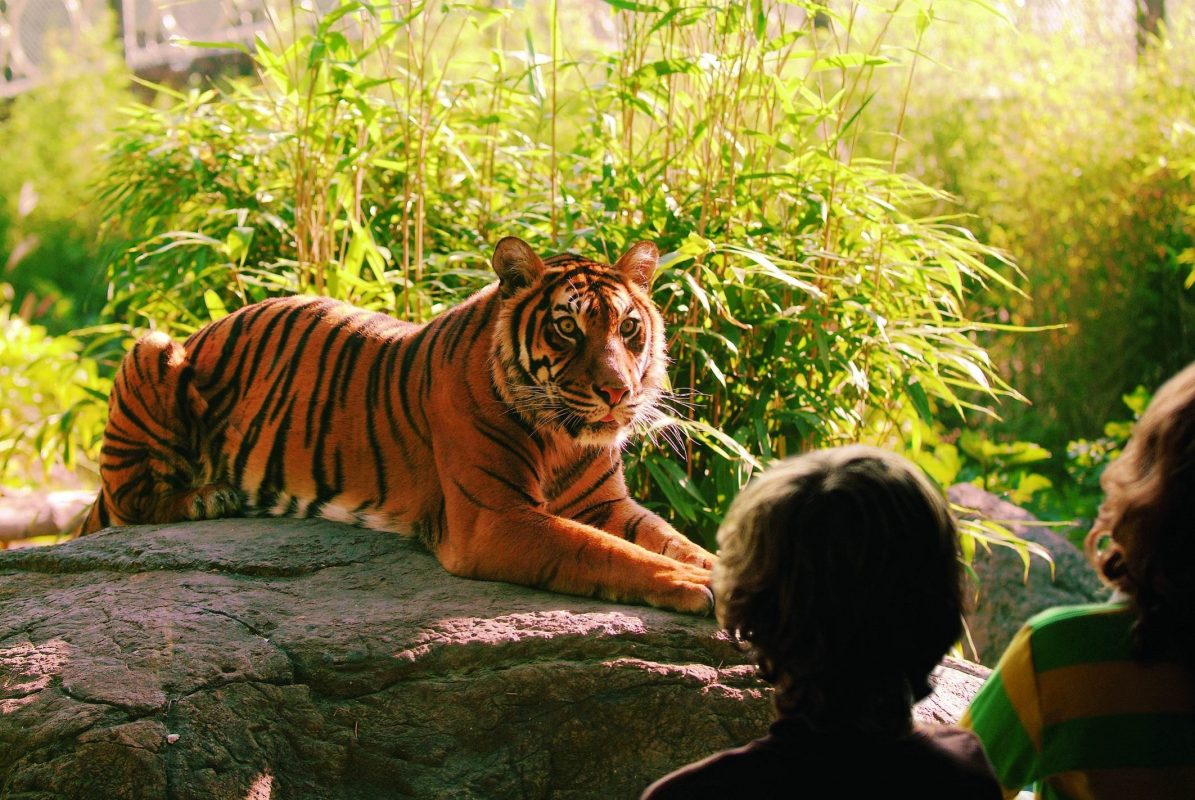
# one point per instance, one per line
(840, 569)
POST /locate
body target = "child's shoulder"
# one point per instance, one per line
(724, 774)
(1081, 615)
(1095, 631)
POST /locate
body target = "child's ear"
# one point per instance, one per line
(516, 264)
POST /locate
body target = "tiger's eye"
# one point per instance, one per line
(566, 326)
(628, 326)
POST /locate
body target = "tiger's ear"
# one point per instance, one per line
(516, 264)
(639, 263)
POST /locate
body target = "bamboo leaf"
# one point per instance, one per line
(849, 61)
(628, 5)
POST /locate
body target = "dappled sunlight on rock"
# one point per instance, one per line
(262, 787)
(26, 669)
(511, 628)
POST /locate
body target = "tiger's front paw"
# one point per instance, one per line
(681, 549)
(684, 588)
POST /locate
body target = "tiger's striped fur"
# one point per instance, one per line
(492, 433)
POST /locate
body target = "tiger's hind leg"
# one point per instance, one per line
(153, 467)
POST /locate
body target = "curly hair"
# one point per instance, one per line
(1143, 540)
(840, 568)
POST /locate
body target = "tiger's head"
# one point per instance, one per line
(579, 346)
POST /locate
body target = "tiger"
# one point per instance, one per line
(493, 434)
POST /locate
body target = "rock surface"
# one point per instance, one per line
(281, 659)
(1007, 598)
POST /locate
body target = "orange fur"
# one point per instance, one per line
(492, 433)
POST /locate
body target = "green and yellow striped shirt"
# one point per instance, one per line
(1068, 709)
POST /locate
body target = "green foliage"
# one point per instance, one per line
(50, 260)
(1061, 488)
(1078, 157)
(49, 417)
(1005, 469)
(1086, 459)
(810, 299)
(1008, 469)
(48, 246)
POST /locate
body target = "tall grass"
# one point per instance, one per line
(810, 298)
(1076, 153)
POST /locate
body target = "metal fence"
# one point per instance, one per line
(149, 26)
(29, 29)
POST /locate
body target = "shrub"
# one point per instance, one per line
(49, 251)
(1060, 488)
(50, 419)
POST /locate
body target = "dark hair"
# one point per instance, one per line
(840, 567)
(1146, 524)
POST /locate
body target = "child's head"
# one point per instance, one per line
(1146, 524)
(841, 568)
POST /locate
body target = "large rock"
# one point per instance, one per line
(280, 659)
(1007, 596)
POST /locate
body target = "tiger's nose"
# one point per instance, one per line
(611, 394)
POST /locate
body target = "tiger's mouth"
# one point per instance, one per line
(605, 427)
(585, 419)
(610, 419)
(598, 426)
(595, 416)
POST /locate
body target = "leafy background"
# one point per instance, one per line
(876, 225)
